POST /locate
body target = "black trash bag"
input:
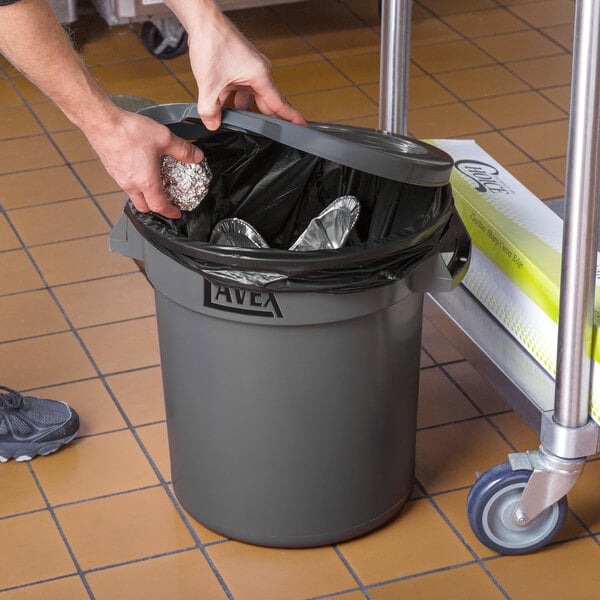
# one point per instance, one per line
(278, 190)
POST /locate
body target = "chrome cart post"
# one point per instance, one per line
(394, 65)
(568, 435)
(519, 506)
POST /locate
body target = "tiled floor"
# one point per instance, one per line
(99, 519)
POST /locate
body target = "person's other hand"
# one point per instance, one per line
(224, 62)
(130, 147)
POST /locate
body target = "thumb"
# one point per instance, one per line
(210, 113)
(184, 151)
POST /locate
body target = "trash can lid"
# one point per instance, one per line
(386, 155)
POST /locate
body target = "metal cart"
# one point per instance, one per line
(161, 33)
(519, 506)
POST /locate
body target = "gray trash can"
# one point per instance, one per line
(291, 406)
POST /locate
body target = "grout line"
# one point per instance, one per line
(352, 572)
(456, 532)
(61, 531)
(125, 417)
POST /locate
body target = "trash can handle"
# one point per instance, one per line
(435, 274)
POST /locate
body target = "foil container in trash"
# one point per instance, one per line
(330, 229)
(185, 184)
(237, 233)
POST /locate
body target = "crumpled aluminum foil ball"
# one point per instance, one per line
(185, 184)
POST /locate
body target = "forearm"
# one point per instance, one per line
(33, 40)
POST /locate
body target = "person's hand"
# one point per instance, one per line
(224, 62)
(130, 147)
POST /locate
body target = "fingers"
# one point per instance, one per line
(154, 200)
(183, 151)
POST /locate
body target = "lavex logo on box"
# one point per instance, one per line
(254, 304)
(486, 177)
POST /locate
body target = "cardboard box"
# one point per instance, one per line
(516, 263)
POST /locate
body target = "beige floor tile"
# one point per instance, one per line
(96, 409)
(520, 435)
(533, 108)
(439, 347)
(307, 77)
(521, 45)
(154, 438)
(44, 361)
(563, 571)
(255, 573)
(27, 153)
(442, 7)
(52, 117)
(140, 394)
(17, 273)
(29, 314)
(107, 300)
(80, 260)
(335, 105)
(430, 31)
(456, 584)
(449, 120)
(74, 145)
(8, 239)
(104, 44)
(70, 587)
(424, 91)
(23, 559)
(541, 141)
(20, 492)
(481, 82)
(449, 56)
(95, 466)
(30, 93)
(17, 122)
(497, 146)
(557, 167)
(180, 576)
(418, 540)
(538, 180)
(370, 122)
(59, 221)
(112, 204)
(440, 401)
(583, 498)
(480, 23)
(8, 95)
(449, 456)
(549, 12)
(476, 387)
(49, 185)
(560, 95)
(123, 346)
(95, 178)
(123, 528)
(166, 93)
(359, 68)
(544, 72)
(561, 34)
(129, 77)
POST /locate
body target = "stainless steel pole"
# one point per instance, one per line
(573, 369)
(395, 62)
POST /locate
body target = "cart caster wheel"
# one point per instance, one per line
(491, 503)
(152, 38)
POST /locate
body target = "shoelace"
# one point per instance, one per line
(12, 399)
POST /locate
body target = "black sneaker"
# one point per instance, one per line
(31, 426)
